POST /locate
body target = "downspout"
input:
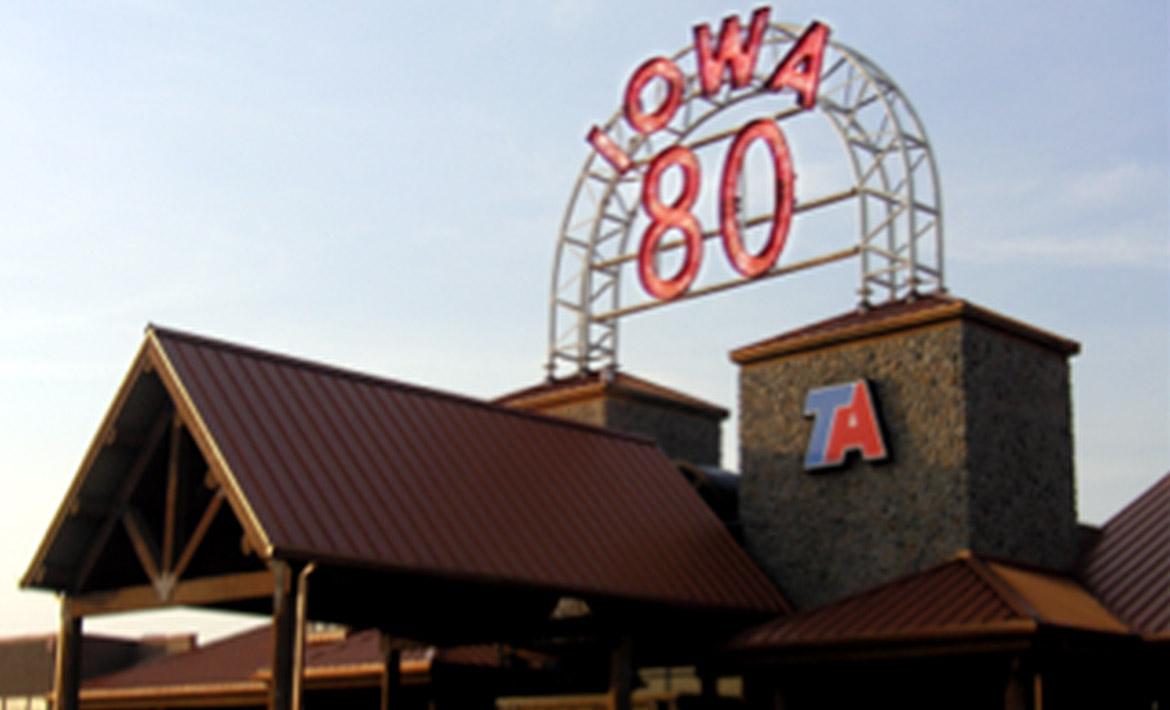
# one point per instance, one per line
(298, 674)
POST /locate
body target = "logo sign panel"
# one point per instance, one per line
(844, 420)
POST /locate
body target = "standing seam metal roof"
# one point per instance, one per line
(968, 596)
(345, 467)
(1129, 566)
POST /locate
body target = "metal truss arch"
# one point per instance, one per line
(894, 183)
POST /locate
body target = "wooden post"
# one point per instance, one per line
(283, 636)
(67, 670)
(759, 693)
(391, 675)
(708, 686)
(1022, 689)
(621, 675)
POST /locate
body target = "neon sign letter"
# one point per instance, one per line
(739, 55)
(732, 60)
(665, 217)
(801, 67)
(844, 420)
(656, 68)
(751, 265)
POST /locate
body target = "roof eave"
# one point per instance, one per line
(34, 576)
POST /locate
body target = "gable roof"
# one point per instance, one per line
(965, 597)
(1129, 565)
(341, 467)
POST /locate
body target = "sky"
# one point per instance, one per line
(380, 185)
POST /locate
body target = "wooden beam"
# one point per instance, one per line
(67, 669)
(172, 500)
(391, 680)
(621, 675)
(91, 508)
(194, 592)
(157, 356)
(127, 489)
(1023, 686)
(200, 532)
(143, 545)
(283, 635)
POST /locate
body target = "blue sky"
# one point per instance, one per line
(380, 185)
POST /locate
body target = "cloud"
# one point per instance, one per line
(1110, 250)
(1115, 186)
(1111, 214)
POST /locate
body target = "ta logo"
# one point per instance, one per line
(844, 420)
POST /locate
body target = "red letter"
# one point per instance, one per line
(739, 54)
(666, 217)
(855, 428)
(609, 150)
(801, 67)
(659, 67)
(745, 263)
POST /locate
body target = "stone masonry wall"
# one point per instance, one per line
(681, 434)
(823, 535)
(978, 426)
(1019, 438)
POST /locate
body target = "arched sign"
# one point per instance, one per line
(668, 182)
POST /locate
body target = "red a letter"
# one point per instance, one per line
(801, 67)
(733, 51)
(855, 428)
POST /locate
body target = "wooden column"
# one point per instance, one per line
(391, 675)
(759, 693)
(1024, 690)
(283, 636)
(621, 675)
(708, 686)
(67, 670)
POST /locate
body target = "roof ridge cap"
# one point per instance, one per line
(1002, 589)
(381, 381)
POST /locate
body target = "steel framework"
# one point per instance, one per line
(895, 188)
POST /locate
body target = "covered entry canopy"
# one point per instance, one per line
(221, 470)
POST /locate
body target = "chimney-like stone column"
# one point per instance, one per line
(976, 414)
(687, 428)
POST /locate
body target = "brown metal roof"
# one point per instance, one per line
(342, 467)
(241, 663)
(231, 660)
(962, 598)
(1129, 566)
(893, 317)
(593, 384)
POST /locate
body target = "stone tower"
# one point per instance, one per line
(688, 429)
(976, 416)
